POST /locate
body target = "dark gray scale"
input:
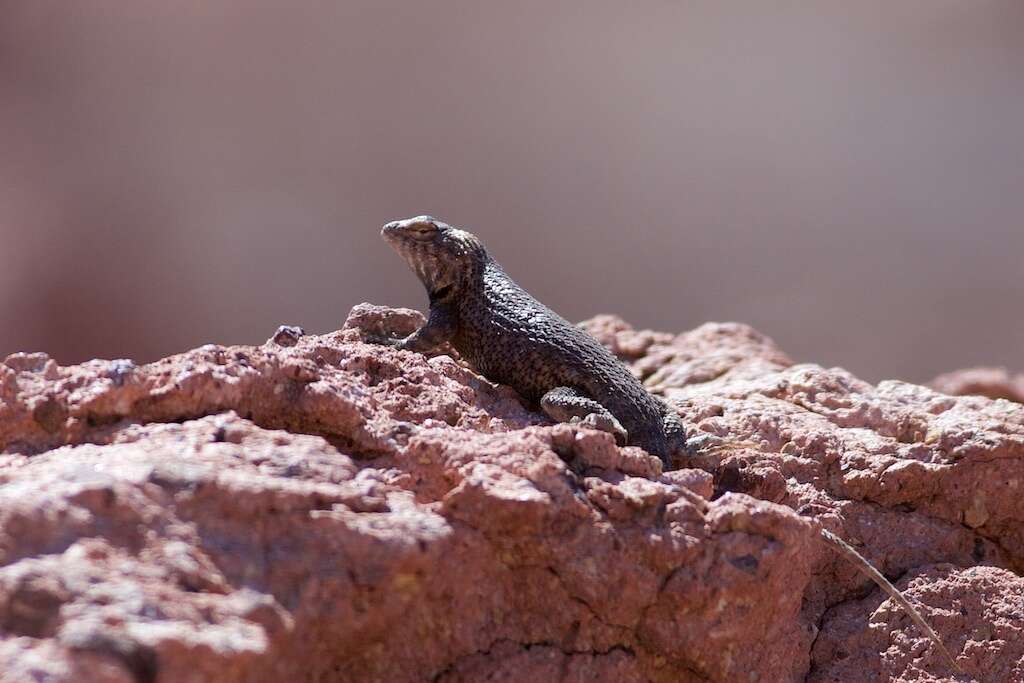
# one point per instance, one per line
(511, 338)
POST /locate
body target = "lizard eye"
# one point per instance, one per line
(423, 231)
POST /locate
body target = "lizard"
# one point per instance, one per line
(511, 338)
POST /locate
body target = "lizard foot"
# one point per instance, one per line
(605, 423)
(381, 340)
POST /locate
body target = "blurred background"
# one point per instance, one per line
(846, 177)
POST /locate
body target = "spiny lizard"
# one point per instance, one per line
(511, 338)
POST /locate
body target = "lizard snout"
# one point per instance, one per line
(420, 228)
(393, 233)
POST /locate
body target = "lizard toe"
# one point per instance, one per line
(607, 423)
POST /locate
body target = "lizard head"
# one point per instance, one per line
(443, 257)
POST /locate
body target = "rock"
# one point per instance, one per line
(978, 611)
(382, 321)
(28, 362)
(990, 382)
(327, 509)
(287, 335)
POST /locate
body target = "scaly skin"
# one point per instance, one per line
(511, 338)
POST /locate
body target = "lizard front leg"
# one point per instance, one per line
(675, 431)
(439, 328)
(565, 404)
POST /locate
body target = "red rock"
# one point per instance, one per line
(318, 508)
(978, 611)
(990, 382)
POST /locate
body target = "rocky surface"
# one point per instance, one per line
(979, 608)
(990, 382)
(321, 509)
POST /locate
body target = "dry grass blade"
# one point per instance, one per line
(851, 553)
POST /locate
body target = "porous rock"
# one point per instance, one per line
(978, 612)
(323, 509)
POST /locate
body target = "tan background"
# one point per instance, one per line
(845, 176)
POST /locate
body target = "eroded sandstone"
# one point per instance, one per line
(318, 508)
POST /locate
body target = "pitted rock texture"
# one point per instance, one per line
(321, 509)
(980, 609)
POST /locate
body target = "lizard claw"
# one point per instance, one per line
(607, 423)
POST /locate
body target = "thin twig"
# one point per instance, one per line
(851, 554)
